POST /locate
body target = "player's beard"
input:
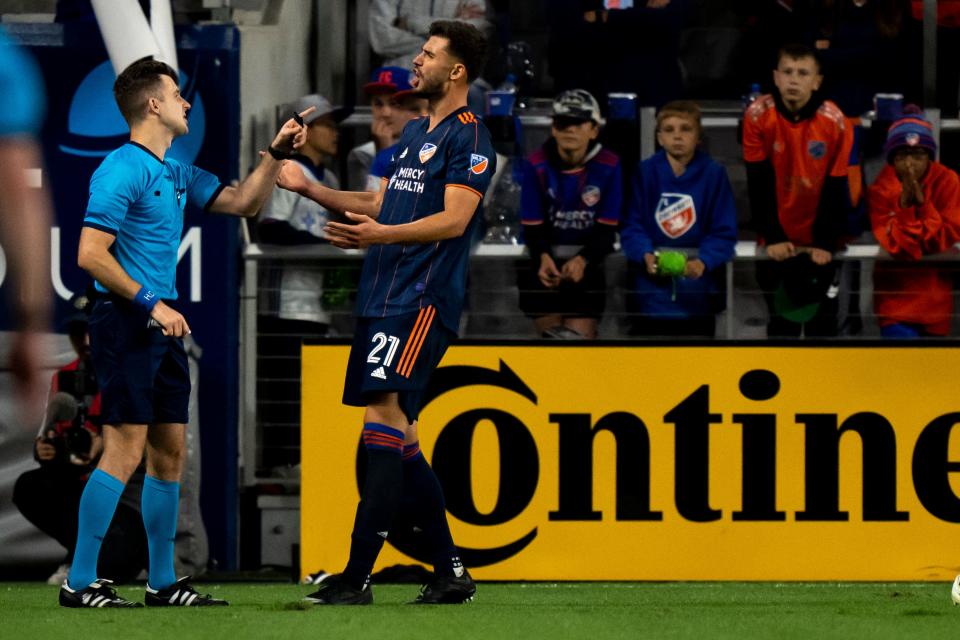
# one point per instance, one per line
(430, 89)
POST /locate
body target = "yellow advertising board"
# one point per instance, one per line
(665, 463)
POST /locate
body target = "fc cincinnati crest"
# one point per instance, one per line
(427, 151)
(478, 163)
(676, 214)
(816, 149)
(912, 139)
(590, 195)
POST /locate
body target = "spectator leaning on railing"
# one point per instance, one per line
(681, 202)
(914, 207)
(570, 206)
(796, 147)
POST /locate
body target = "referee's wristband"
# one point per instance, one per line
(277, 154)
(146, 299)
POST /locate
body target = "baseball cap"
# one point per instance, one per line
(579, 104)
(389, 80)
(803, 288)
(323, 108)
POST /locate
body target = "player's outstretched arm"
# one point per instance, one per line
(95, 258)
(247, 198)
(459, 206)
(367, 203)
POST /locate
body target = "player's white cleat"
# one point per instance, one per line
(955, 591)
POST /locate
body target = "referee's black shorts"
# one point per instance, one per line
(144, 376)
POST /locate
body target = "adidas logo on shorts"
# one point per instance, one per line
(379, 373)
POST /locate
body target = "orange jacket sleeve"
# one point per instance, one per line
(896, 229)
(940, 213)
(914, 232)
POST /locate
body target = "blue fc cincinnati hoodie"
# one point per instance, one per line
(694, 210)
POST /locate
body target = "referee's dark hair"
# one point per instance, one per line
(135, 85)
(467, 44)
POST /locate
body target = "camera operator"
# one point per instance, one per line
(67, 448)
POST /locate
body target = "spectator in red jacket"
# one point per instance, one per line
(914, 207)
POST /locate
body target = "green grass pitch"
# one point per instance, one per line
(528, 611)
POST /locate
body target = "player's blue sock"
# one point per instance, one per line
(379, 500)
(97, 504)
(159, 504)
(423, 494)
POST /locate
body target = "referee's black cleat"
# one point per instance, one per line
(180, 594)
(448, 590)
(99, 595)
(335, 590)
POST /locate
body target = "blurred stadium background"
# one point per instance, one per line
(241, 61)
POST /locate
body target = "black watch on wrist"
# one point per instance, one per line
(277, 154)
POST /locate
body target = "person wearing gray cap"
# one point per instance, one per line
(288, 218)
(297, 311)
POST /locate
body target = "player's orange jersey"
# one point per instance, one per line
(803, 151)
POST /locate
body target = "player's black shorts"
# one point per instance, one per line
(144, 376)
(585, 299)
(398, 353)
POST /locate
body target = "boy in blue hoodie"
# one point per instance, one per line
(682, 202)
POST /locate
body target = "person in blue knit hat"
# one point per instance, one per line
(914, 208)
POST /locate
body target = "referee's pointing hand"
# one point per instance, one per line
(292, 134)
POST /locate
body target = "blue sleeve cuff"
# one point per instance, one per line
(213, 198)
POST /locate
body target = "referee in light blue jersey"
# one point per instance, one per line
(417, 229)
(129, 244)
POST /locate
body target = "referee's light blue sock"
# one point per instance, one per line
(97, 504)
(159, 504)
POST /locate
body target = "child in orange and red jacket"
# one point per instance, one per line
(914, 207)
